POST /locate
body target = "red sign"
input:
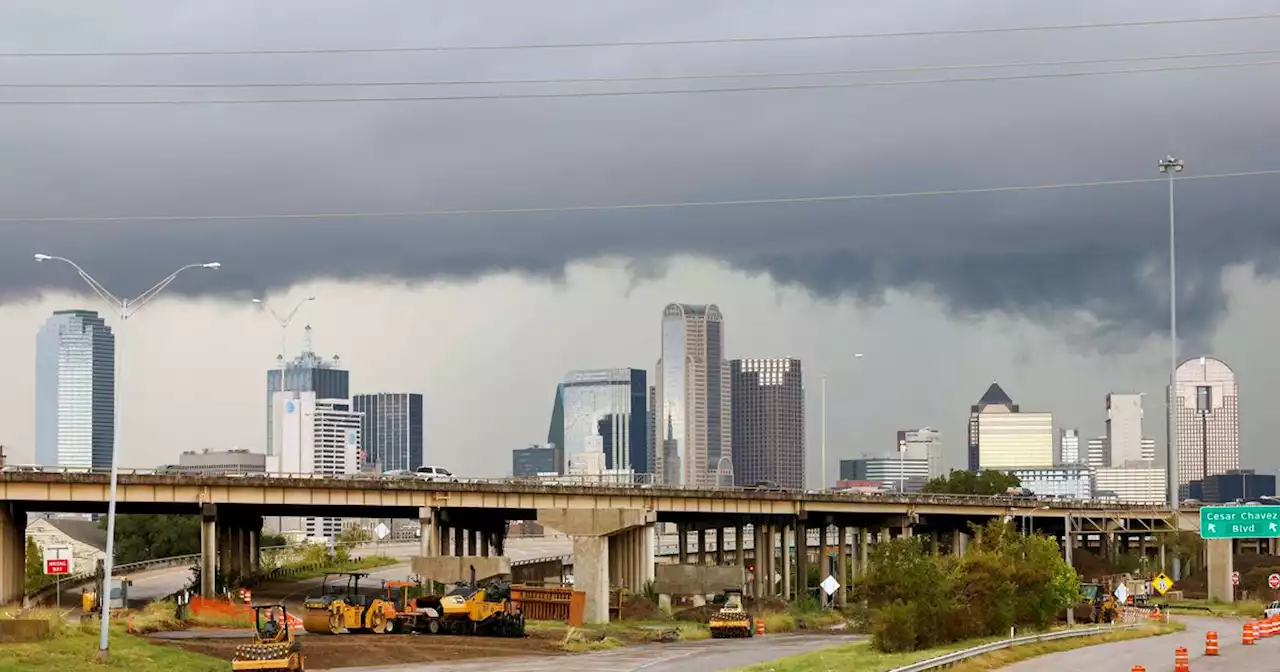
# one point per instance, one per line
(1235, 578)
(52, 566)
(1274, 581)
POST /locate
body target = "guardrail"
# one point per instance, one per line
(957, 656)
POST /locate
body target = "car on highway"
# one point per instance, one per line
(434, 474)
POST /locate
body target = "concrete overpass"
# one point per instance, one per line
(611, 527)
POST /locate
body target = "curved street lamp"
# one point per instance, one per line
(283, 321)
(124, 309)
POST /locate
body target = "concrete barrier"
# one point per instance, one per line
(696, 579)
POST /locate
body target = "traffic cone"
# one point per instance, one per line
(1181, 662)
(1249, 636)
(1211, 643)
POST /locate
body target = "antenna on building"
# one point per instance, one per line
(306, 340)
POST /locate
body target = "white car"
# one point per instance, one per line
(434, 474)
(1272, 610)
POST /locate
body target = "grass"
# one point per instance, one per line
(371, 562)
(74, 649)
(861, 657)
(1249, 608)
(597, 637)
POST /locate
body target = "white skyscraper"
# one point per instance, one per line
(1124, 428)
(75, 391)
(315, 436)
(1208, 420)
(923, 444)
(1069, 446)
(693, 409)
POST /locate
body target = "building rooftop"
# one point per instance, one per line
(995, 395)
(84, 531)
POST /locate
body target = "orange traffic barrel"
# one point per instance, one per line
(760, 627)
(1250, 633)
(1181, 662)
(1211, 643)
(1138, 668)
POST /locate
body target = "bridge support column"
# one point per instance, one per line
(208, 550)
(427, 545)
(471, 542)
(787, 580)
(719, 545)
(702, 546)
(458, 548)
(1220, 568)
(484, 544)
(255, 546)
(802, 560)
(824, 560)
(757, 540)
(682, 543)
(740, 550)
(842, 567)
(13, 553)
(591, 530)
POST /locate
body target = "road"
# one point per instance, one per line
(1156, 653)
(701, 656)
(161, 582)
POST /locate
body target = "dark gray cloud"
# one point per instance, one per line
(1043, 254)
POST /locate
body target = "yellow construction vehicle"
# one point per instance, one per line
(732, 621)
(274, 648)
(466, 610)
(342, 607)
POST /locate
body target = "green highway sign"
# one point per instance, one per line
(1239, 522)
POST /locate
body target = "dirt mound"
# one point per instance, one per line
(639, 608)
(359, 650)
(697, 614)
(766, 605)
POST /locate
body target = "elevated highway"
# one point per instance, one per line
(611, 527)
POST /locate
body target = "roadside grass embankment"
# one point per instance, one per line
(73, 648)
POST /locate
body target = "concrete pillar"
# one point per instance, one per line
(484, 544)
(1220, 568)
(906, 530)
(426, 532)
(842, 567)
(255, 549)
(208, 550)
(682, 543)
(458, 548)
(824, 560)
(13, 553)
(719, 545)
(757, 543)
(802, 560)
(864, 550)
(591, 576)
(647, 538)
(788, 581)
(471, 542)
(702, 547)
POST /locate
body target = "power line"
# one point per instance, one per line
(652, 92)
(647, 43)
(647, 78)
(627, 206)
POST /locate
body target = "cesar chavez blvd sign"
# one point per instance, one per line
(1239, 522)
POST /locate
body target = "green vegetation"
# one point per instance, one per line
(999, 659)
(915, 599)
(1247, 608)
(313, 571)
(985, 482)
(35, 566)
(142, 537)
(73, 649)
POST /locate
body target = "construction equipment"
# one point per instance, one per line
(415, 612)
(467, 610)
(1098, 605)
(342, 607)
(274, 647)
(732, 621)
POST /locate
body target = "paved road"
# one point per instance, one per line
(701, 656)
(1156, 653)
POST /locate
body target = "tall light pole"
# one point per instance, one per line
(824, 426)
(124, 309)
(1171, 166)
(284, 324)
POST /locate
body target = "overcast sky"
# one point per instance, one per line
(1061, 295)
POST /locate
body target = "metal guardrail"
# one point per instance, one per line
(956, 656)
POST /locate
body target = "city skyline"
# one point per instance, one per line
(693, 402)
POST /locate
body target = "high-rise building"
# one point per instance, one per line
(214, 462)
(555, 432)
(611, 404)
(653, 427)
(1073, 481)
(1138, 483)
(534, 460)
(1207, 420)
(391, 430)
(1238, 484)
(694, 397)
(1124, 427)
(1002, 436)
(1099, 453)
(315, 436)
(895, 472)
(306, 373)
(75, 391)
(1069, 447)
(923, 444)
(768, 422)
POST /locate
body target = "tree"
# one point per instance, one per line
(148, 537)
(272, 541)
(985, 482)
(35, 565)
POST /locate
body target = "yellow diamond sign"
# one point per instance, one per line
(1162, 583)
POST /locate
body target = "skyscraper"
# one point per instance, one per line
(922, 444)
(1124, 428)
(555, 431)
(1002, 436)
(315, 436)
(768, 422)
(307, 373)
(611, 404)
(75, 388)
(693, 396)
(1069, 446)
(391, 430)
(1208, 420)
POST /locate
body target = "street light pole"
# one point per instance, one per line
(284, 324)
(1170, 166)
(124, 309)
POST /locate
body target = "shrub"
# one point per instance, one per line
(893, 627)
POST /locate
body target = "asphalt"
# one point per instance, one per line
(698, 656)
(1156, 653)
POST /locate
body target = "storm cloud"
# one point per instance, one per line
(1099, 252)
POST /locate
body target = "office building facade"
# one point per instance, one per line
(1098, 453)
(533, 461)
(1133, 484)
(895, 473)
(923, 444)
(316, 436)
(75, 391)
(1207, 419)
(1064, 482)
(1069, 447)
(1244, 485)
(555, 432)
(308, 372)
(1003, 436)
(215, 462)
(694, 398)
(1124, 427)
(611, 404)
(993, 401)
(768, 422)
(391, 430)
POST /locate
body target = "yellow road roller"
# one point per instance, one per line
(341, 607)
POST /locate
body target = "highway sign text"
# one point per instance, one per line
(1239, 522)
(57, 559)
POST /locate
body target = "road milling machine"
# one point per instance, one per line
(274, 648)
(732, 621)
(342, 607)
(467, 610)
